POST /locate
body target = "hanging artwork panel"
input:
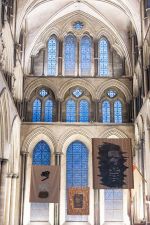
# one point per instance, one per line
(78, 201)
(112, 163)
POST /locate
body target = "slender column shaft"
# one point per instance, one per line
(96, 207)
(60, 53)
(22, 192)
(13, 200)
(9, 180)
(57, 205)
(4, 164)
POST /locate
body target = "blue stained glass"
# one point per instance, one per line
(43, 92)
(84, 111)
(78, 25)
(103, 53)
(77, 165)
(36, 111)
(52, 56)
(85, 55)
(77, 92)
(41, 154)
(111, 93)
(70, 111)
(48, 111)
(106, 112)
(70, 54)
(117, 111)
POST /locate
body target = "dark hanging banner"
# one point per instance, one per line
(78, 201)
(112, 163)
(45, 184)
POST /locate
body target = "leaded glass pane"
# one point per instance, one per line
(106, 112)
(103, 53)
(52, 56)
(77, 92)
(48, 111)
(41, 154)
(84, 111)
(36, 111)
(111, 93)
(70, 55)
(70, 111)
(76, 173)
(117, 111)
(43, 92)
(85, 55)
(113, 205)
(77, 165)
(78, 25)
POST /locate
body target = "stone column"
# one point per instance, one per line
(57, 205)
(4, 164)
(60, 58)
(59, 117)
(9, 180)
(24, 156)
(43, 72)
(96, 207)
(96, 59)
(97, 115)
(13, 200)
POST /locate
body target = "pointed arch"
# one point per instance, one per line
(103, 48)
(70, 54)
(52, 55)
(86, 55)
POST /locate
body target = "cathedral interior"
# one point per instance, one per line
(71, 71)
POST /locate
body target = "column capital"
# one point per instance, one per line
(15, 175)
(58, 153)
(24, 153)
(9, 175)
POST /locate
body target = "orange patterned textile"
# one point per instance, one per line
(78, 201)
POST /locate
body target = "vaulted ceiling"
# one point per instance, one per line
(115, 15)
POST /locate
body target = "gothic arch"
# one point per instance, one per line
(72, 135)
(113, 132)
(77, 82)
(39, 83)
(35, 136)
(114, 83)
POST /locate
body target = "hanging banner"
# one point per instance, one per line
(78, 201)
(112, 163)
(45, 184)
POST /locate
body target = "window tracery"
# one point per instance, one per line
(52, 56)
(85, 55)
(77, 106)
(103, 55)
(112, 107)
(69, 54)
(43, 106)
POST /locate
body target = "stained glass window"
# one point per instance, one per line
(52, 56)
(85, 55)
(111, 93)
(43, 92)
(36, 111)
(70, 54)
(84, 111)
(78, 25)
(70, 111)
(48, 111)
(113, 205)
(77, 165)
(103, 54)
(117, 111)
(77, 92)
(41, 154)
(106, 111)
